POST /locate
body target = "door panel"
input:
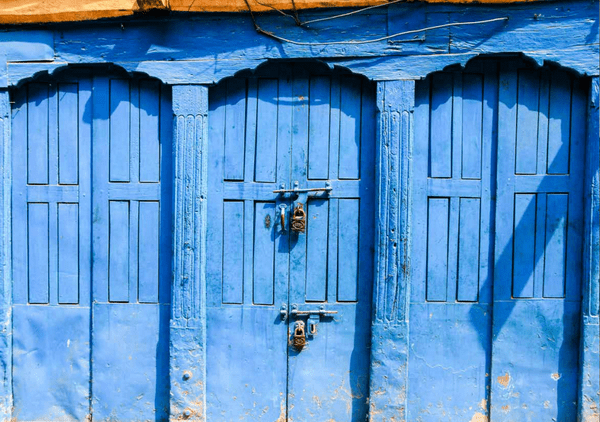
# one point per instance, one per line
(536, 305)
(331, 265)
(450, 305)
(247, 257)
(525, 204)
(131, 243)
(95, 149)
(289, 127)
(51, 251)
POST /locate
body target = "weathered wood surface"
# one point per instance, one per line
(207, 48)
(44, 11)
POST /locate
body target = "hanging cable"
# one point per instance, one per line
(296, 17)
(355, 42)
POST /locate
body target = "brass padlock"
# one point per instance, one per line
(299, 338)
(299, 219)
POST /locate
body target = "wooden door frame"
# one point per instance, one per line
(389, 356)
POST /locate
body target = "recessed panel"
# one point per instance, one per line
(38, 244)
(68, 134)
(68, 253)
(556, 244)
(119, 130)
(266, 131)
(524, 240)
(233, 250)
(527, 122)
(118, 259)
(472, 126)
(348, 249)
(350, 128)
(437, 248)
(317, 217)
(468, 250)
(37, 134)
(149, 131)
(559, 124)
(440, 135)
(318, 130)
(148, 251)
(235, 130)
(264, 254)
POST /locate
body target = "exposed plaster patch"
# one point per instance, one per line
(479, 417)
(503, 380)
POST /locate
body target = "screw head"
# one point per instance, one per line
(187, 413)
(187, 375)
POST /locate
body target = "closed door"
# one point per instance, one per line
(308, 136)
(494, 312)
(91, 249)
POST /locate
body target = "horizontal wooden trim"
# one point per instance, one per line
(41, 11)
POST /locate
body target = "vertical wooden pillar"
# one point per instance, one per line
(389, 348)
(188, 321)
(5, 249)
(589, 388)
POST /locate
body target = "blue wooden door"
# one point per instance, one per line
(497, 221)
(91, 249)
(287, 128)
(539, 232)
(451, 293)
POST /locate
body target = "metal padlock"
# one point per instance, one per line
(299, 219)
(299, 338)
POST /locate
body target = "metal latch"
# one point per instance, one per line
(317, 312)
(328, 188)
(314, 317)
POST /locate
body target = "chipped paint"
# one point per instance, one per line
(479, 417)
(504, 380)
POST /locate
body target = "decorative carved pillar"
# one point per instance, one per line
(395, 102)
(188, 322)
(589, 389)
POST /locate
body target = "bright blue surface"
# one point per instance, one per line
(482, 184)
(255, 265)
(104, 353)
(521, 342)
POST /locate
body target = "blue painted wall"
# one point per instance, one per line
(418, 331)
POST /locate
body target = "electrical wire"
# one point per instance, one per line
(355, 42)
